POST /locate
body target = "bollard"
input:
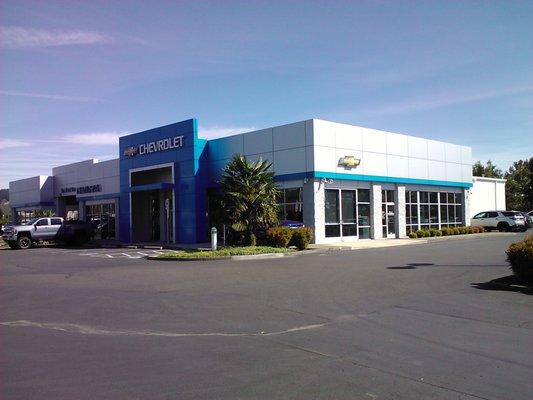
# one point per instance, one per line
(213, 238)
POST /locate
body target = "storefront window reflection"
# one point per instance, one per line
(102, 217)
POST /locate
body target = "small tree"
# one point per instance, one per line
(249, 195)
(489, 170)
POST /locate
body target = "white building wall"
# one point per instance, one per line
(37, 189)
(487, 194)
(87, 173)
(387, 154)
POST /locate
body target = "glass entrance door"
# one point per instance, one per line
(388, 214)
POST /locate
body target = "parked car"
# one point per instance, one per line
(502, 220)
(528, 219)
(47, 229)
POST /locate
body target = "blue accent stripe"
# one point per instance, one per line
(371, 178)
(151, 186)
(99, 197)
(42, 203)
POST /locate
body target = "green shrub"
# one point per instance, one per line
(251, 240)
(434, 232)
(422, 233)
(456, 231)
(462, 230)
(301, 237)
(413, 235)
(520, 256)
(445, 231)
(469, 230)
(279, 236)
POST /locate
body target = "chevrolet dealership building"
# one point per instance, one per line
(344, 181)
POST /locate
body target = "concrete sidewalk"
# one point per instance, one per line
(367, 244)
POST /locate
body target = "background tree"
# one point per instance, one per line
(519, 186)
(249, 195)
(489, 170)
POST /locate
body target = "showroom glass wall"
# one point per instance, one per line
(347, 213)
(103, 218)
(290, 202)
(426, 210)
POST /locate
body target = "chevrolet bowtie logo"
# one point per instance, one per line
(131, 151)
(349, 162)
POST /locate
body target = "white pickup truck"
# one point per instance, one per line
(46, 229)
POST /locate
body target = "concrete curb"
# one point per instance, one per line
(264, 256)
(465, 236)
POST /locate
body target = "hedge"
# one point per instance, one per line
(461, 230)
(520, 256)
(301, 237)
(283, 237)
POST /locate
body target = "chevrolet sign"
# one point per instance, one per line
(349, 162)
(131, 151)
(153, 147)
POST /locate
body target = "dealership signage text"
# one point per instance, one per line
(81, 189)
(153, 147)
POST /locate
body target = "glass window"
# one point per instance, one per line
(332, 206)
(444, 213)
(333, 230)
(348, 206)
(414, 214)
(424, 197)
(55, 221)
(414, 197)
(363, 195)
(424, 213)
(480, 215)
(434, 214)
(390, 196)
(290, 204)
(364, 233)
(451, 213)
(363, 217)
(433, 197)
(349, 230)
(443, 198)
(42, 222)
(458, 213)
(450, 198)
(293, 195)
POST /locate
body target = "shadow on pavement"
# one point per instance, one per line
(508, 283)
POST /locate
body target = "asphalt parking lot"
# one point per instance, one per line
(407, 322)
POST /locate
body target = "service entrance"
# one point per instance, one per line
(152, 216)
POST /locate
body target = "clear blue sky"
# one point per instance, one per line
(76, 75)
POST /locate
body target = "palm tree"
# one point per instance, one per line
(249, 195)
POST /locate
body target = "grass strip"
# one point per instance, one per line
(224, 252)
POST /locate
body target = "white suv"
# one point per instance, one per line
(502, 220)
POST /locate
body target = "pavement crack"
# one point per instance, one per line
(89, 330)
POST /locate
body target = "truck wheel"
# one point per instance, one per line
(24, 242)
(503, 227)
(12, 245)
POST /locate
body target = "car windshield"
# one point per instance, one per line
(31, 221)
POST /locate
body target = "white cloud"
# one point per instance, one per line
(10, 143)
(48, 96)
(94, 138)
(13, 37)
(222, 131)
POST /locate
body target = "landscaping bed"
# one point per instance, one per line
(226, 252)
